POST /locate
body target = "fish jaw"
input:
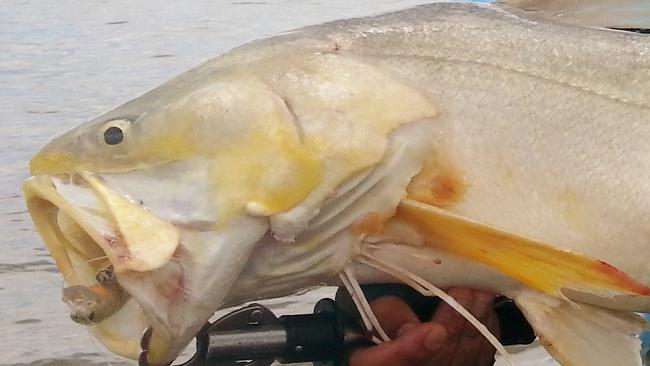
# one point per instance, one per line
(175, 296)
(78, 258)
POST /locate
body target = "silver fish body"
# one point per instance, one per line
(266, 165)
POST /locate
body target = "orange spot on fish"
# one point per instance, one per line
(100, 290)
(372, 223)
(438, 184)
(624, 281)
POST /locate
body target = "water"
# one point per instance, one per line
(63, 62)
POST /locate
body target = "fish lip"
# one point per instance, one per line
(44, 203)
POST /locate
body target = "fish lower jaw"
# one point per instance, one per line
(71, 243)
(76, 254)
(174, 299)
(79, 261)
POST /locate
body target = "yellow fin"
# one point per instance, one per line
(150, 242)
(532, 262)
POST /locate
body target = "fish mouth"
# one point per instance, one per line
(78, 232)
(176, 274)
(57, 222)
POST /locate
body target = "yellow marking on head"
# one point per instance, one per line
(268, 174)
(171, 139)
(52, 163)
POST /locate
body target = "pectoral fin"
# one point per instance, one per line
(534, 263)
(583, 335)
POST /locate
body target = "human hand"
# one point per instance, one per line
(447, 340)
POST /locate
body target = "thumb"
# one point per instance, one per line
(415, 347)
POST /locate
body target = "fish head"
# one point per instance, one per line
(174, 198)
(176, 188)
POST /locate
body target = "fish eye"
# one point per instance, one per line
(113, 135)
(114, 131)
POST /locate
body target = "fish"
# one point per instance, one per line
(496, 146)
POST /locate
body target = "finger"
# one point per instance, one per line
(470, 340)
(394, 315)
(482, 309)
(415, 347)
(453, 322)
(450, 318)
(487, 352)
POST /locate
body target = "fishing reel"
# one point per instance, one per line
(254, 336)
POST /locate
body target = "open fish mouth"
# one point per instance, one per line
(66, 229)
(175, 274)
(88, 226)
(83, 237)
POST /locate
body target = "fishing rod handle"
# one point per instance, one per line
(255, 334)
